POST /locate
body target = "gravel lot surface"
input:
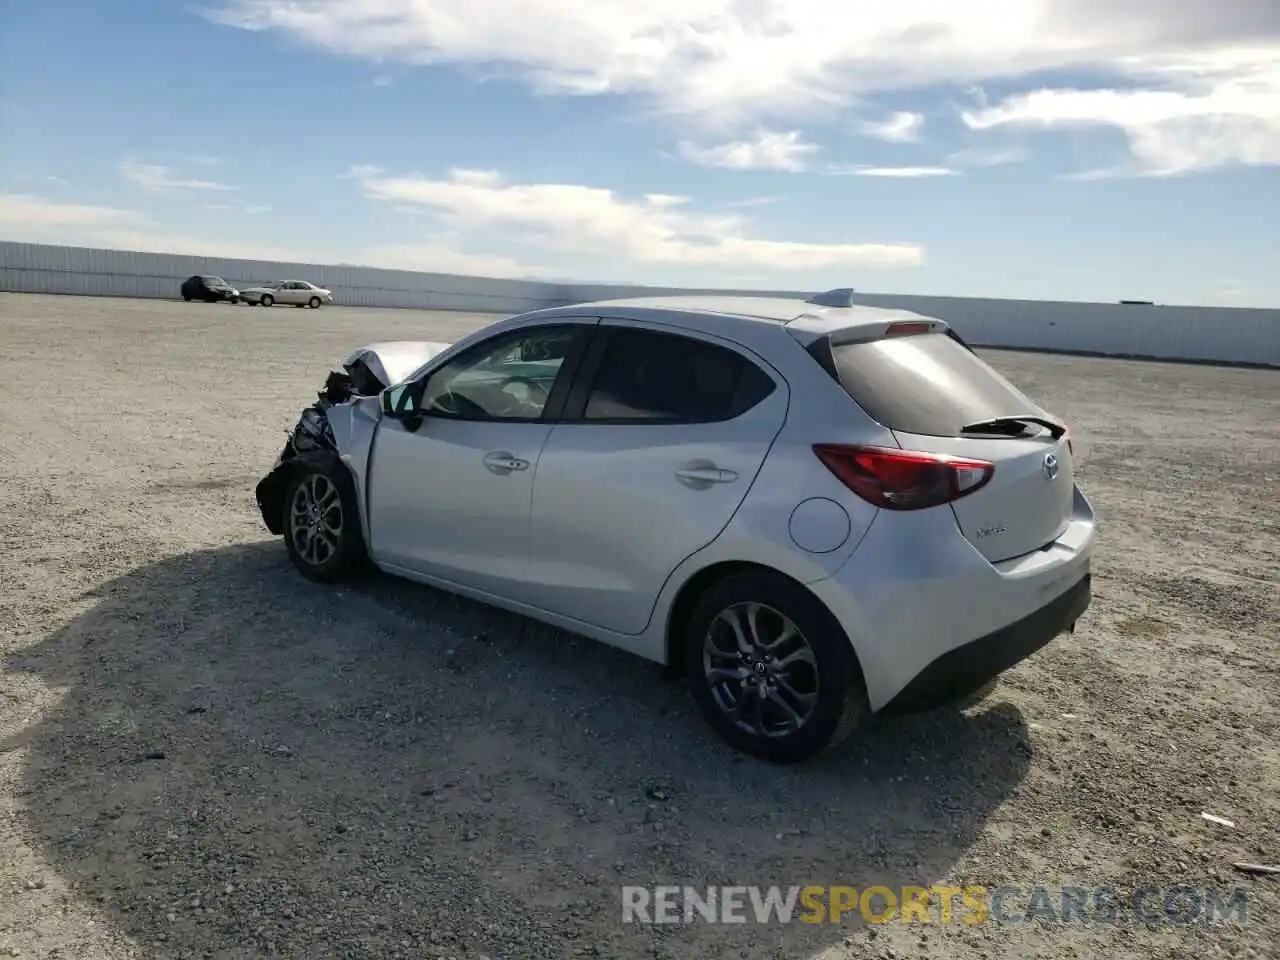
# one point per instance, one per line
(202, 755)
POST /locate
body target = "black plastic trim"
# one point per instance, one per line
(271, 489)
(820, 350)
(575, 406)
(964, 670)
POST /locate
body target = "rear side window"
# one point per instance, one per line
(651, 377)
(927, 384)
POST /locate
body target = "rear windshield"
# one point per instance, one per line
(927, 384)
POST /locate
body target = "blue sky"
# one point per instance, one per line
(1038, 149)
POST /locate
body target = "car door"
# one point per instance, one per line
(449, 487)
(288, 292)
(660, 440)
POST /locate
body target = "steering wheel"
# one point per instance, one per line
(538, 385)
(457, 405)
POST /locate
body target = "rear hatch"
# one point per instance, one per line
(938, 397)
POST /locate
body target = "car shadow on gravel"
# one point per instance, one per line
(245, 764)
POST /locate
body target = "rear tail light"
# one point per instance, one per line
(903, 479)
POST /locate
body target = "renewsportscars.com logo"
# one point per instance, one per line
(935, 904)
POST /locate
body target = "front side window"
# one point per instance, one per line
(510, 378)
(647, 376)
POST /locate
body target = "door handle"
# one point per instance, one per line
(504, 462)
(706, 475)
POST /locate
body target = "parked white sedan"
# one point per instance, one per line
(819, 511)
(298, 293)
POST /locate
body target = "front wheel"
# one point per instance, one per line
(771, 670)
(314, 303)
(267, 300)
(322, 525)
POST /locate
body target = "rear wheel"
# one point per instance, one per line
(322, 525)
(267, 300)
(771, 670)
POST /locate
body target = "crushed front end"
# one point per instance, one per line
(311, 438)
(365, 373)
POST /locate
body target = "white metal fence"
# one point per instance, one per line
(1178, 333)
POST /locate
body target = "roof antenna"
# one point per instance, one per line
(842, 297)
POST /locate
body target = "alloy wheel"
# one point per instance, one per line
(760, 669)
(316, 520)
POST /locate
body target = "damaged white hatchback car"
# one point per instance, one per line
(816, 510)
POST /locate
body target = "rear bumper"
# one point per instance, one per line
(916, 592)
(962, 671)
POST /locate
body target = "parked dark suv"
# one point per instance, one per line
(209, 289)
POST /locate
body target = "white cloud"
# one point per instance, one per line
(250, 210)
(441, 257)
(1202, 68)
(27, 217)
(753, 202)
(32, 219)
(1206, 112)
(767, 151)
(993, 157)
(901, 127)
(156, 178)
(594, 221)
(909, 173)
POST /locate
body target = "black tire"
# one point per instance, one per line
(186, 298)
(841, 701)
(267, 300)
(314, 303)
(335, 558)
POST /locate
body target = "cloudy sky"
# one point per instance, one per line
(1073, 149)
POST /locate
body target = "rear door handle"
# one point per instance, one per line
(504, 462)
(706, 475)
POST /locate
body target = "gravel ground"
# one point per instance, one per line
(202, 755)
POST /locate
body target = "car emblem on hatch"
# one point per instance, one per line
(1050, 466)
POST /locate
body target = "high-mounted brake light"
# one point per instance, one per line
(907, 329)
(903, 479)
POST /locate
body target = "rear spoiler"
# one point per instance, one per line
(808, 327)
